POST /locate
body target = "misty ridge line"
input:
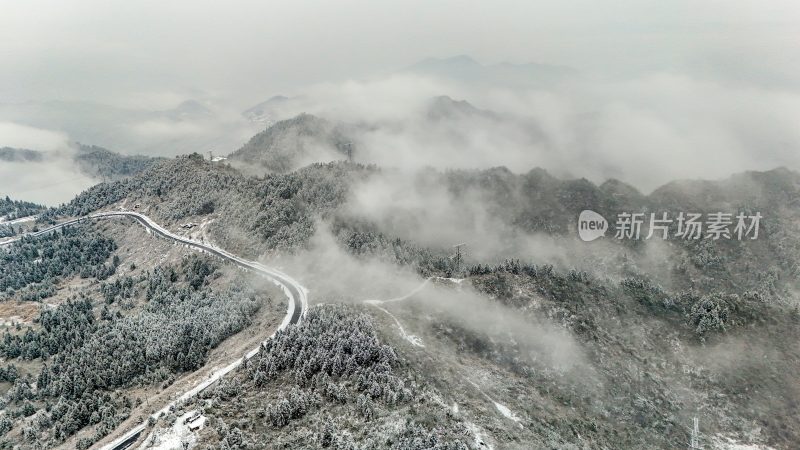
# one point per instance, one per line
(643, 131)
(434, 207)
(551, 128)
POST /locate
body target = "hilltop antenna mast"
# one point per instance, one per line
(457, 257)
(349, 147)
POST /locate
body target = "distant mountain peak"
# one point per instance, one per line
(188, 109)
(435, 65)
(465, 68)
(191, 105)
(9, 154)
(618, 188)
(444, 106)
(453, 60)
(265, 111)
(450, 101)
(292, 143)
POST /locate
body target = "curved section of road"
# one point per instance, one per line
(297, 309)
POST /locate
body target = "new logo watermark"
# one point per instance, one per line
(714, 226)
(591, 225)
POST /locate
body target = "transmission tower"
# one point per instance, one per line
(457, 258)
(694, 442)
(349, 149)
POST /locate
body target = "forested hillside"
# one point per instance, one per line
(329, 383)
(10, 154)
(32, 267)
(281, 212)
(84, 355)
(278, 210)
(95, 162)
(681, 355)
(293, 143)
(103, 164)
(15, 209)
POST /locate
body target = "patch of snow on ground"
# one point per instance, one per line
(454, 280)
(10, 321)
(414, 340)
(175, 436)
(4, 220)
(436, 398)
(480, 441)
(725, 443)
(506, 412)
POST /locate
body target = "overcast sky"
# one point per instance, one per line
(667, 88)
(155, 53)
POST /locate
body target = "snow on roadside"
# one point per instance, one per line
(175, 436)
(454, 280)
(4, 221)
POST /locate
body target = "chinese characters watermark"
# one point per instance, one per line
(714, 226)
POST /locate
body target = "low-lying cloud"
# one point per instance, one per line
(51, 181)
(21, 136)
(333, 275)
(647, 130)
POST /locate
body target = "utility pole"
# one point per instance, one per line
(457, 256)
(694, 442)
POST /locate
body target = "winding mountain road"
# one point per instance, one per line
(293, 290)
